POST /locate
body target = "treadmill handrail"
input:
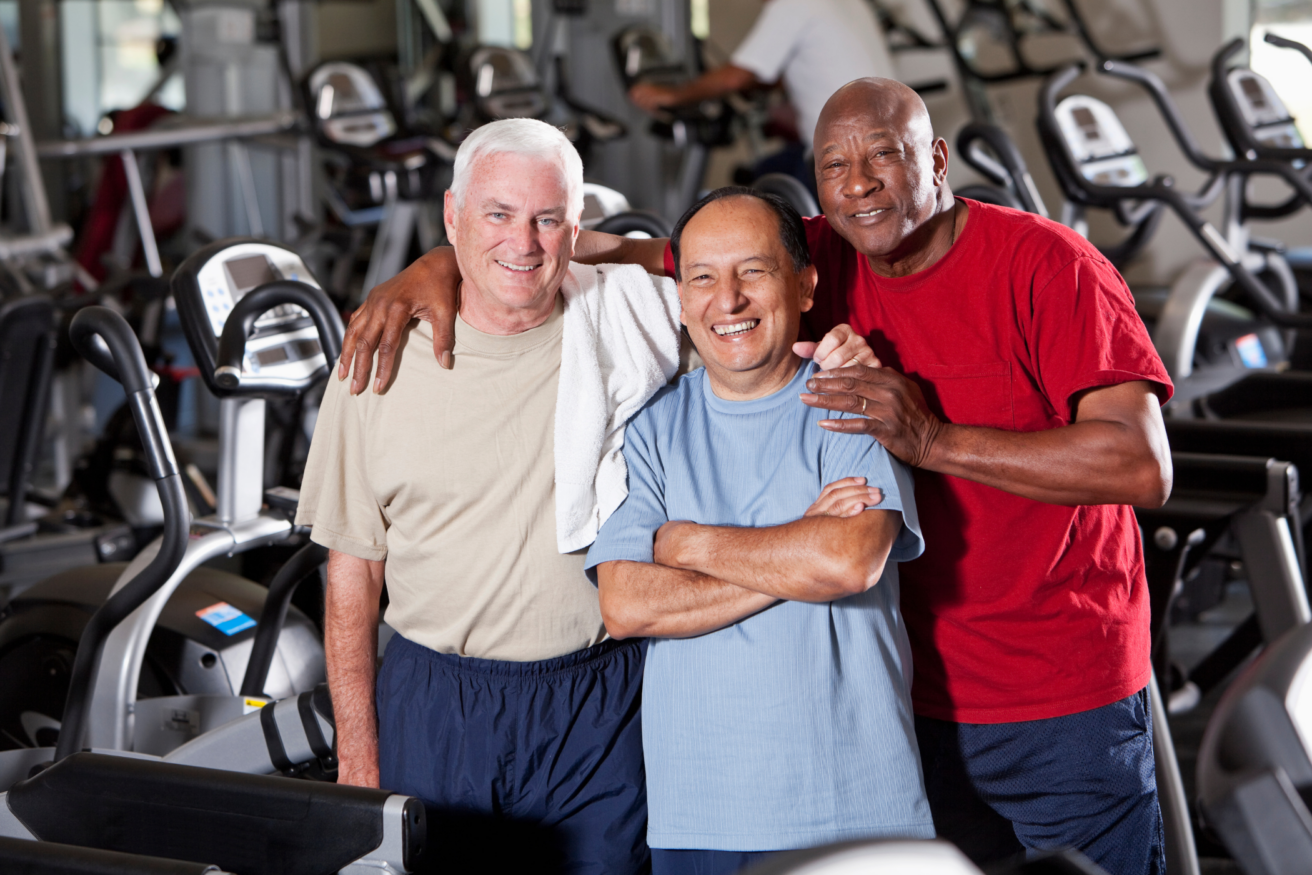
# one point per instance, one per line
(253, 305)
(104, 338)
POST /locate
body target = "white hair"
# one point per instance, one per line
(521, 136)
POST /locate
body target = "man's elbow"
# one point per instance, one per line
(858, 572)
(1153, 479)
(620, 613)
(620, 621)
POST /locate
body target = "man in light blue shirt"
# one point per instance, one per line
(776, 701)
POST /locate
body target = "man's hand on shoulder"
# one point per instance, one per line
(428, 289)
(883, 403)
(840, 347)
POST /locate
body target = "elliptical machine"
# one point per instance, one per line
(177, 668)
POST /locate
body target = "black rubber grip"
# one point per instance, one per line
(310, 723)
(273, 740)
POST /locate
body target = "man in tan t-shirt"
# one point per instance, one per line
(501, 694)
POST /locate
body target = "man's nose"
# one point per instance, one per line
(524, 237)
(861, 180)
(729, 295)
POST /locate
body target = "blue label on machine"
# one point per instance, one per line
(1251, 352)
(226, 618)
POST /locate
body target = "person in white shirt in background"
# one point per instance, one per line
(813, 46)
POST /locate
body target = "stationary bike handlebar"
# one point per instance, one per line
(253, 305)
(103, 337)
(1162, 189)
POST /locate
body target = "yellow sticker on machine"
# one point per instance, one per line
(249, 706)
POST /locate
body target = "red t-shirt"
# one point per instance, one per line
(1018, 610)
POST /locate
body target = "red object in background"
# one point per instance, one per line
(98, 229)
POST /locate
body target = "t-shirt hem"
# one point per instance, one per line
(784, 841)
(342, 544)
(1101, 379)
(1060, 708)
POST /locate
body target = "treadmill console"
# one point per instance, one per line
(1263, 110)
(1096, 138)
(284, 351)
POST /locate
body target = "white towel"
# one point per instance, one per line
(620, 344)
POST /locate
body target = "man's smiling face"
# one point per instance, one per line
(514, 234)
(878, 167)
(742, 297)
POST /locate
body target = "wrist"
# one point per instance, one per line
(935, 446)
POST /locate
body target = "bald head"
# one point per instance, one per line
(875, 104)
(882, 175)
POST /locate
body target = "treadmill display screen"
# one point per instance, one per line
(248, 272)
(1088, 123)
(1253, 91)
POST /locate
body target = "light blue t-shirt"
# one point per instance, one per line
(793, 727)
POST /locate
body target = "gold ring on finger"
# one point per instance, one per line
(863, 407)
(853, 361)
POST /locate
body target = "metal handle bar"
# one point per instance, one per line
(104, 338)
(254, 304)
(164, 137)
(281, 588)
(1005, 167)
(1162, 189)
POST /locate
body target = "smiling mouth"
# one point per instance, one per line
(519, 268)
(737, 328)
(869, 214)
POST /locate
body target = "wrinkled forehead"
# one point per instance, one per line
(872, 116)
(732, 227)
(517, 176)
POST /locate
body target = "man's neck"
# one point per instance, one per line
(750, 385)
(491, 317)
(930, 242)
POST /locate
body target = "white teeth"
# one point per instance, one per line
(871, 213)
(738, 328)
(523, 268)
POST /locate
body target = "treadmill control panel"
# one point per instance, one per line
(1263, 110)
(285, 343)
(1103, 149)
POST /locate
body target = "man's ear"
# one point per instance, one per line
(940, 161)
(449, 216)
(808, 279)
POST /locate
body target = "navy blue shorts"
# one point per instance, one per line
(1084, 781)
(525, 766)
(671, 861)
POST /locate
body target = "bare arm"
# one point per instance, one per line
(642, 599)
(429, 289)
(646, 599)
(814, 559)
(1114, 452)
(708, 86)
(350, 638)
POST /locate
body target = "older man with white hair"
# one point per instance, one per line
(473, 488)
(501, 694)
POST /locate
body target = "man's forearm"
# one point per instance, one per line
(814, 559)
(1082, 463)
(715, 83)
(594, 247)
(641, 599)
(351, 652)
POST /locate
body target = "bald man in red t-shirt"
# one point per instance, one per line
(1021, 386)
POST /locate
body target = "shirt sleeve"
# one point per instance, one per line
(1086, 333)
(336, 500)
(857, 455)
(770, 43)
(630, 533)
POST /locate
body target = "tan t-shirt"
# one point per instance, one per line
(450, 477)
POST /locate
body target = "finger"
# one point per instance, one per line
(839, 484)
(396, 323)
(857, 405)
(364, 365)
(831, 342)
(348, 345)
(854, 350)
(804, 349)
(849, 426)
